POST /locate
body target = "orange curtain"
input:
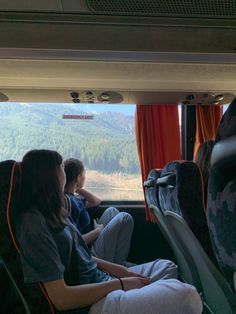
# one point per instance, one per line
(157, 138)
(207, 120)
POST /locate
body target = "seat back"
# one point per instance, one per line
(217, 295)
(33, 296)
(150, 187)
(227, 125)
(221, 205)
(184, 196)
(187, 272)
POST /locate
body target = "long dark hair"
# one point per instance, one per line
(41, 188)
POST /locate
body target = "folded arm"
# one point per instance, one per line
(66, 297)
(91, 199)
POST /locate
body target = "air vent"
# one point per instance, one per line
(172, 8)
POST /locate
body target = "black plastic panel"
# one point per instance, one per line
(173, 8)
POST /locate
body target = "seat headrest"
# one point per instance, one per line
(227, 125)
(180, 186)
(153, 175)
(168, 180)
(224, 150)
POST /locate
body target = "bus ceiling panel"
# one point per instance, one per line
(32, 5)
(96, 96)
(118, 38)
(45, 6)
(116, 56)
(127, 76)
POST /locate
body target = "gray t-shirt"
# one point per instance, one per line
(49, 255)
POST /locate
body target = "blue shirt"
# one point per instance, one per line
(79, 213)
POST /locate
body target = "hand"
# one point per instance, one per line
(122, 271)
(130, 283)
(130, 273)
(97, 226)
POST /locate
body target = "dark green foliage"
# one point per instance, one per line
(106, 143)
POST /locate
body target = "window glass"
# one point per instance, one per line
(225, 107)
(105, 143)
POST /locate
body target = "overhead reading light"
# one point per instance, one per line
(105, 96)
(74, 94)
(75, 97)
(204, 99)
(219, 97)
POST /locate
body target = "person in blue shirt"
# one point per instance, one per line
(54, 254)
(110, 237)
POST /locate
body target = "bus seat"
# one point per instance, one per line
(216, 293)
(227, 125)
(221, 205)
(187, 272)
(33, 297)
(10, 300)
(184, 196)
(150, 187)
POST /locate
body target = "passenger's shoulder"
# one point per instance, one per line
(32, 221)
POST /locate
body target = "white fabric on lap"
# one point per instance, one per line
(162, 297)
(165, 295)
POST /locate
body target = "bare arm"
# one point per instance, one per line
(70, 297)
(91, 199)
(92, 235)
(66, 297)
(115, 269)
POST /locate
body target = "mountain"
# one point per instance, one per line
(105, 143)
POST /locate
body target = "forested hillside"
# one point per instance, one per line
(105, 143)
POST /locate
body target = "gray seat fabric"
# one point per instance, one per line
(186, 268)
(217, 296)
(150, 187)
(227, 125)
(184, 196)
(221, 205)
(194, 265)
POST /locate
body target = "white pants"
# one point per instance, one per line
(165, 294)
(113, 243)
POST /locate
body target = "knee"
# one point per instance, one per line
(112, 211)
(166, 268)
(126, 218)
(190, 300)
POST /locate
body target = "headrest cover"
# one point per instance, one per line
(224, 150)
(227, 126)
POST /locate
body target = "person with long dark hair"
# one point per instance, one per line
(53, 252)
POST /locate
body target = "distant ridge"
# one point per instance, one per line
(105, 143)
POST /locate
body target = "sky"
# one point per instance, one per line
(126, 109)
(94, 108)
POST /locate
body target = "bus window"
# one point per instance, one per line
(102, 136)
